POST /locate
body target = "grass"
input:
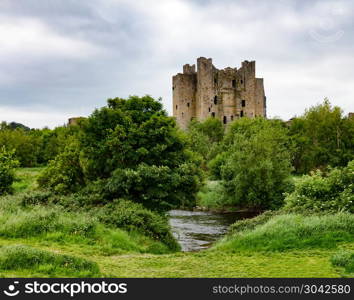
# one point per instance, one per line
(345, 260)
(47, 242)
(291, 231)
(20, 257)
(26, 179)
(208, 264)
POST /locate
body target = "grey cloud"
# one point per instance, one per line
(106, 48)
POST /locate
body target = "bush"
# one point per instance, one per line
(293, 231)
(63, 174)
(18, 257)
(134, 217)
(320, 192)
(156, 187)
(7, 165)
(36, 198)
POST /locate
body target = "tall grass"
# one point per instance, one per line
(293, 231)
(19, 257)
(54, 224)
(345, 260)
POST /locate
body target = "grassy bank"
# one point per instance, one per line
(49, 242)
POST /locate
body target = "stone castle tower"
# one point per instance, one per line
(225, 94)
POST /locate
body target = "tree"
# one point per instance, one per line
(135, 151)
(256, 170)
(322, 137)
(7, 165)
(205, 137)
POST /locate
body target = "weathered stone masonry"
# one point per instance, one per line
(225, 94)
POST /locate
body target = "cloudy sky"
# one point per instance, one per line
(63, 58)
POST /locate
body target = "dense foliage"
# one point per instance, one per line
(34, 147)
(255, 165)
(205, 138)
(322, 136)
(7, 165)
(135, 151)
(320, 191)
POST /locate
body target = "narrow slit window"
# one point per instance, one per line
(232, 118)
(216, 100)
(209, 109)
(176, 106)
(188, 104)
(213, 114)
(234, 83)
(225, 119)
(243, 103)
(182, 114)
(241, 113)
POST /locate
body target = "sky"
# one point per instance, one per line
(64, 58)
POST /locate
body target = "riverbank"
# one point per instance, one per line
(222, 260)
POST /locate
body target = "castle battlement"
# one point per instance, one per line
(227, 94)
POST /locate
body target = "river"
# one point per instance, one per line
(197, 230)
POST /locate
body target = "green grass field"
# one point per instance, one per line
(52, 255)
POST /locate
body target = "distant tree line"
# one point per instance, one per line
(34, 147)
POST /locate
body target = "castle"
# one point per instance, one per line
(225, 94)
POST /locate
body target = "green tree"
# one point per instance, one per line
(322, 137)
(135, 151)
(205, 137)
(7, 174)
(256, 170)
(64, 174)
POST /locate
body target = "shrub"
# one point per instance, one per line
(156, 187)
(293, 231)
(320, 192)
(36, 198)
(18, 257)
(134, 217)
(63, 174)
(7, 165)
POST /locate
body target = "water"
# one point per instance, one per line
(196, 230)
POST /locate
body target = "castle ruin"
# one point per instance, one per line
(225, 94)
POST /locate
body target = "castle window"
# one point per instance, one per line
(216, 100)
(225, 119)
(241, 113)
(213, 114)
(182, 114)
(243, 103)
(232, 118)
(241, 81)
(173, 88)
(215, 80)
(234, 83)
(188, 104)
(176, 106)
(209, 109)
